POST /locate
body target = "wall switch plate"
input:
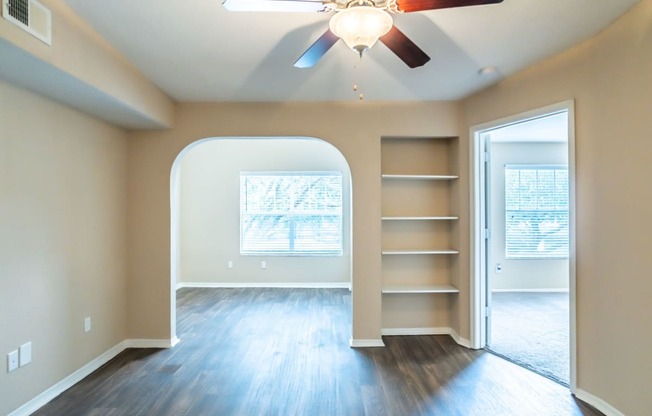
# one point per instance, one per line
(12, 361)
(499, 268)
(263, 264)
(87, 324)
(25, 354)
(229, 264)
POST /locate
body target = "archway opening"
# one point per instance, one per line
(207, 221)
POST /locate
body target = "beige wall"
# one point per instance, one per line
(78, 51)
(520, 274)
(354, 128)
(609, 78)
(62, 240)
(210, 211)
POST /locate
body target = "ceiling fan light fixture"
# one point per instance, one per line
(360, 26)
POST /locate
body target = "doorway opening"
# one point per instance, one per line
(523, 235)
(214, 203)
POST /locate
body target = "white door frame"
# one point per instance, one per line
(478, 242)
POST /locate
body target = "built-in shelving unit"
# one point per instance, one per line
(418, 230)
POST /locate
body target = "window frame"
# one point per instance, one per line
(291, 217)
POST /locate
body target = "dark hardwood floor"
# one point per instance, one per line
(285, 352)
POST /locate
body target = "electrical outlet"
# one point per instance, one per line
(12, 361)
(87, 324)
(263, 264)
(25, 354)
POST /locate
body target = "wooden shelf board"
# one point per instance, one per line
(411, 252)
(408, 218)
(419, 289)
(421, 177)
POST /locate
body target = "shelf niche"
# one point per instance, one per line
(419, 223)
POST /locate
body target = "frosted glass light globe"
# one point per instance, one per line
(360, 26)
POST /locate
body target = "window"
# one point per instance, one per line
(536, 211)
(291, 213)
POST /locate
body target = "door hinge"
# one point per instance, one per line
(487, 312)
(486, 157)
(486, 233)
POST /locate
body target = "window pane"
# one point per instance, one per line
(291, 213)
(265, 233)
(536, 212)
(317, 233)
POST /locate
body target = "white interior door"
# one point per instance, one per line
(486, 143)
(533, 147)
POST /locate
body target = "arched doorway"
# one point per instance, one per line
(212, 167)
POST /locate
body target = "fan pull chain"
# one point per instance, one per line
(355, 75)
(360, 95)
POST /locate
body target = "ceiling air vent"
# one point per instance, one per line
(31, 16)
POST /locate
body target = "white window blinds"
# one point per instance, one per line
(536, 211)
(291, 213)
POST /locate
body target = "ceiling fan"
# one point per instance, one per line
(360, 23)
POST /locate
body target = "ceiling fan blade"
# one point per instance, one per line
(275, 5)
(404, 48)
(317, 50)
(418, 5)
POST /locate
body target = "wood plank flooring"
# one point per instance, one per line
(285, 352)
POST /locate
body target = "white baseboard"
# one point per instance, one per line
(598, 403)
(415, 331)
(151, 343)
(364, 343)
(428, 331)
(461, 341)
(290, 285)
(74, 378)
(552, 290)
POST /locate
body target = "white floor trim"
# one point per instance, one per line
(151, 343)
(364, 343)
(461, 341)
(416, 331)
(428, 331)
(291, 285)
(598, 403)
(74, 378)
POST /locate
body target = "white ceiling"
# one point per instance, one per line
(552, 128)
(195, 50)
